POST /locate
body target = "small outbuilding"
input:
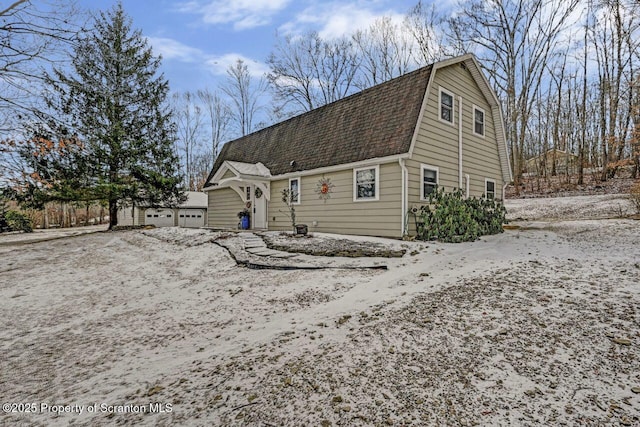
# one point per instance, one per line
(190, 214)
(552, 162)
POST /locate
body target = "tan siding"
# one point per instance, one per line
(437, 142)
(339, 213)
(224, 205)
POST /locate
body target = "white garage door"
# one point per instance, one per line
(191, 217)
(159, 217)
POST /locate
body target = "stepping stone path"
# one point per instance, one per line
(256, 246)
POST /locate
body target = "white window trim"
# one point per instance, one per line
(453, 106)
(377, 182)
(484, 122)
(422, 168)
(299, 189)
(494, 187)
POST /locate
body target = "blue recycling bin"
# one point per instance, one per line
(244, 222)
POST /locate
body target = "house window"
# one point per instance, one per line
(294, 191)
(429, 180)
(365, 182)
(489, 188)
(478, 121)
(446, 106)
(248, 191)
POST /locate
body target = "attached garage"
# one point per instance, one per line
(159, 217)
(191, 218)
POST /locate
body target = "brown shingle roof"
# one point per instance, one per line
(376, 122)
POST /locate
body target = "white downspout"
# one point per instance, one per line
(466, 190)
(403, 210)
(504, 192)
(460, 142)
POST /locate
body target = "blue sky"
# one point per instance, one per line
(198, 39)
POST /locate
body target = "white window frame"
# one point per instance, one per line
(432, 168)
(484, 121)
(487, 180)
(297, 202)
(376, 169)
(453, 106)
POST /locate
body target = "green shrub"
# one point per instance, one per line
(18, 222)
(449, 217)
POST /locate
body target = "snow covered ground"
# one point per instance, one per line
(536, 326)
(575, 207)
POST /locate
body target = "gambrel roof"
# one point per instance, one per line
(375, 123)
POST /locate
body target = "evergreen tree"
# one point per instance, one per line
(114, 101)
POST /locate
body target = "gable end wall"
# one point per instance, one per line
(437, 142)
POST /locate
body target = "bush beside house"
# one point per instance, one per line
(449, 217)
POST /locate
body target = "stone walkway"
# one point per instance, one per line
(250, 250)
(256, 246)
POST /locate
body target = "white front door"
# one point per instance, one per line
(259, 210)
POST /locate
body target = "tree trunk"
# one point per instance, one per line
(45, 217)
(113, 213)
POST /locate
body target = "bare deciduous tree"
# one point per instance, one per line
(244, 93)
(615, 36)
(308, 72)
(385, 50)
(515, 40)
(189, 120)
(31, 35)
(201, 165)
(423, 23)
(219, 116)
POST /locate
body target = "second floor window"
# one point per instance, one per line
(446, 106)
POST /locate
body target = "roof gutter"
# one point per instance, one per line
(344, 166)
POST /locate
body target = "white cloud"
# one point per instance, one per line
(220, 64)
(336, 19)
(173, 49)
(244, 14)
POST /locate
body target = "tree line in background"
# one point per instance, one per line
(566, 73)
